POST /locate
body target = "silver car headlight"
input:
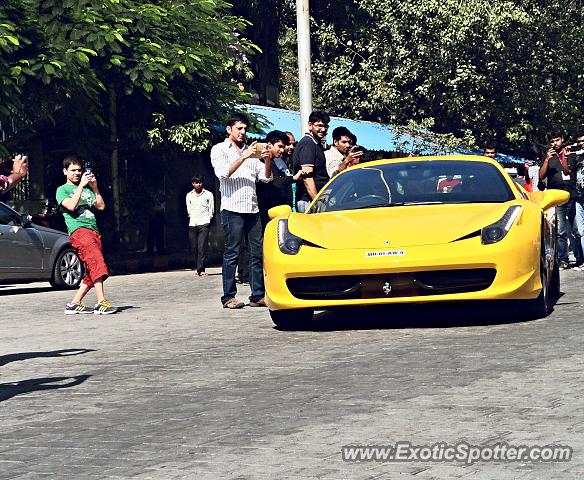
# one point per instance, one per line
(288, 242)
(495, 232)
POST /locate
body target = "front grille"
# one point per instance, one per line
(390, 285)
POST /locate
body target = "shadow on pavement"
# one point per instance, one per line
(217, 274)
(125, 307)
(4, 291)
(437, 315)
(9, 390)
(68, 352)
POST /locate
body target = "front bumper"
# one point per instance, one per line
(513, 262)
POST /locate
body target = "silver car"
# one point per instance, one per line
(30, 252)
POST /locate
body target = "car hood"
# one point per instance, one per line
(394, 226)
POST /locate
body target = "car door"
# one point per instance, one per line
(21, 249)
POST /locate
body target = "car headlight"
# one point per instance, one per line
(288, 242)
(495, 232)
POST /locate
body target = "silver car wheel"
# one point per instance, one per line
(70, 268)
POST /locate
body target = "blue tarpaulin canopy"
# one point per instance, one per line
(371, 135)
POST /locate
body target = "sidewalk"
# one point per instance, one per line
(139, 262)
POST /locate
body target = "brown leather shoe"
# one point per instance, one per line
(260, 303)
(233, 303)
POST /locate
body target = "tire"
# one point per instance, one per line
(291, 319)
(68, 270)
(555, 281)
(543, 305)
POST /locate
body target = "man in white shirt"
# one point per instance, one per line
(341, 155)
(201, 208)
(238, 171)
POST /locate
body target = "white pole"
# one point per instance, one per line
(304, 75)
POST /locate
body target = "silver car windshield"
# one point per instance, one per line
(415, 183)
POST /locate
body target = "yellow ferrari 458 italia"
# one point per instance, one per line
(426, 229)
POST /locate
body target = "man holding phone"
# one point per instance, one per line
(576, 162)
(279, 190)
(343, 153)
(238, 171)
(19, 171)
(555, 169)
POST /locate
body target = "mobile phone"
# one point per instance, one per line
(259, 148)
(88, 170)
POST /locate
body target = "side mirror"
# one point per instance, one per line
(553, 198)
(279, 211)
(26, 221)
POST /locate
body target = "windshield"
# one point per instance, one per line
(414, 183)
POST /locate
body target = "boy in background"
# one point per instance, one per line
(76, 199)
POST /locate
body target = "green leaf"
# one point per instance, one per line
(82, 57)
(89, 51)
(12, 39)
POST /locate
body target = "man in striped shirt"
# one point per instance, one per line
(238, 171)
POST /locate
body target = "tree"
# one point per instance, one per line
(96, 59)
(495, 70)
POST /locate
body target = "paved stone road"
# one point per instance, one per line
(176, 387)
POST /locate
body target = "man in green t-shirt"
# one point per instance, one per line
(76, 199)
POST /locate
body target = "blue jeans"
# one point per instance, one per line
(567, 231)
(579, 221)
(235, 226)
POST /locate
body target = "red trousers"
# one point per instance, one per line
(87, 243)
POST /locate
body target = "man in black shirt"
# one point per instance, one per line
(576, 163)
(556, 171)
(309, 156)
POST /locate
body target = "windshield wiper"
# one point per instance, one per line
(423, 203)
(379, 205)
